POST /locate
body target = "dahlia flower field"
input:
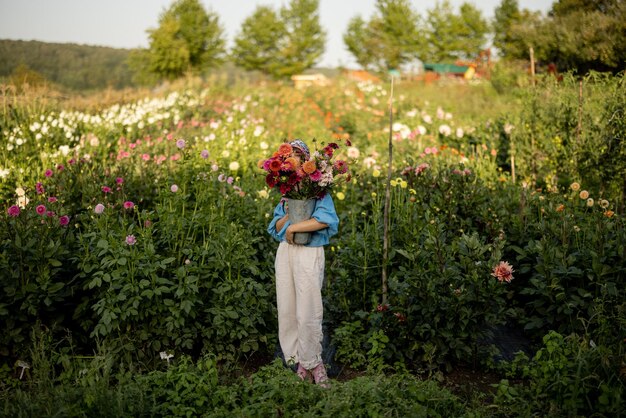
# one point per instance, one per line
(133, 239)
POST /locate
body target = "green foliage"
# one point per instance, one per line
(389, 40)
(187, 389)
(568, 376)
(188, 39)
(258, 43)
(451, 37)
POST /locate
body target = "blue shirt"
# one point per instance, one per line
(324, 212)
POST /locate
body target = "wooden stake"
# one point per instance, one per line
(579, 127)
(387, 201)
(532, 65)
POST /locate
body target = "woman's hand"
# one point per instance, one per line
(289, 234)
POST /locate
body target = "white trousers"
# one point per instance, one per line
(299, 279)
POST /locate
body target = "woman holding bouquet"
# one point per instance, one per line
(300, 272)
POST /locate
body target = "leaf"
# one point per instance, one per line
(54, 263)
(102, 243)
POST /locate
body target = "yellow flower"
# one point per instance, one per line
(403, 184)
(263, 194)
(374, 195)
(340, 195)
(393, 183)
(583, 194)
(376, 173)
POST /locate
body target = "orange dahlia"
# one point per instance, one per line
(309, 167)
(285, 149)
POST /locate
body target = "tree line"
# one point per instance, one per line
(577, 35)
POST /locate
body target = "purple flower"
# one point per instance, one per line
(41, 209)
(64, 220)
(128, 205)
(204, 154)
(131, 240)
(99, 208)
(14, 211)
(180, 143)
(39, 188)
(230, 180)
(221, 177)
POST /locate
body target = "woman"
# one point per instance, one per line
(299, 279)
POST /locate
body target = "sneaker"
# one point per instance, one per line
(302, 373)
(320, 377)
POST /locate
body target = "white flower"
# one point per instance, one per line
(353, 152)
(264, 145)
(166, 356)
(4, 172)
(20, 192)
(233, 166)
(459, 132)
(445, 130)
(22, 201)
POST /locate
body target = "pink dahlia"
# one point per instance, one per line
(503, 272)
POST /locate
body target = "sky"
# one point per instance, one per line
(123, 23)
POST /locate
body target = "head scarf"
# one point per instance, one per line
(302, 147)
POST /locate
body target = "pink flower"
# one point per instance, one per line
(316, 175)
(131, 240)
(119, 180)
(145, 157)
(48, 173)
(106, 189)
(14, 211)
(64, 220)
(52, 199)
(503, 272)
(41, 209)
(128, 205)
(50, 214)
(39, 188)
(99, 208)
(341, 166)
(230, 180)
(174, 188)
(60, 167)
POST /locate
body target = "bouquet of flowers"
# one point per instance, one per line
(297, 177)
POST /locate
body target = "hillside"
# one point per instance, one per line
(78, 67)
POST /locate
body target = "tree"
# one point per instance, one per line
(451, 37)
(188, 39)
(506, 15)
(391, 37)
(259, 41)
(588, 35)
(304, 41)
(281, 44)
